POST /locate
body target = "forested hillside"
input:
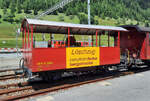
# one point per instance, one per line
(103, 12)
(138, 10)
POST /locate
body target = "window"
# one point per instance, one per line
(149, 39)
(57, 41)
(108, 39)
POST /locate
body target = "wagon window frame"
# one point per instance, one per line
(148, 38)
(67, 29)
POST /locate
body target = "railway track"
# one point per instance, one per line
(7, 86)
(9, 74)
(7, 70)
(7, 77)
(33, 89)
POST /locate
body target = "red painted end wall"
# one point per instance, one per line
(109, 55)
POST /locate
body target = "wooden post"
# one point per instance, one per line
(96, 38)
(28, 38)
(22, 30)
(108, 39)
(119, 39)
(31, 36)
(100, 39)
(148, 38)
(68, 37)
(147, 44)
(92, 41)
(25, 46)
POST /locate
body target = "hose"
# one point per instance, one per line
(26, 71)
(21, 65)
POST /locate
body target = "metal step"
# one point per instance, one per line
(142, 66)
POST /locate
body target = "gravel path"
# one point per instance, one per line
(9, 61)
(126, 88)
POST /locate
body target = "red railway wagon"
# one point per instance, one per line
(135, 45)
(47, 60)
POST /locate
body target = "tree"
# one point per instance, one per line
(5, 3)
(10, 18)
(0, 18)
(146, 24)
(83, 19)
(118, 22)
(103, 16)
(92, 20)
(68, 12)
(35, 11)
(19, 8)
(26, 7)
(131, 23)
(17, 21)
(123, 20)
(13, 7)
(137, 23)
(96, 22)
(133, 9)
(54, 13)
(5, 10)
(61, 18)
(71, 17)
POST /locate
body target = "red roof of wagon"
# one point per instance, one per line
(136, 28)
(41, 26)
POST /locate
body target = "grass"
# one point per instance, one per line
(62, 18)
(8, 31)
(9, 43)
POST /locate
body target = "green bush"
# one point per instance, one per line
(61, 18)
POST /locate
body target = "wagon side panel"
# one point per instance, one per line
(48, 59)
